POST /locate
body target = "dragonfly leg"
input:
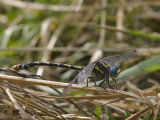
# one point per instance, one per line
(107, 80)
(94, 82)
(100, 85)
(115, 83)
(92, 78)
(87, 83)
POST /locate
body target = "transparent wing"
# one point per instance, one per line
(85, 73)
(82, 76)
(68, 87)
(117, 59)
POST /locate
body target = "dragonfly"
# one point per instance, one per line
(98, 70)
(101, 69)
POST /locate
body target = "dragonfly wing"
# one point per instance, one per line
(85, 73)
(82, 76)
(68, 87)
(117, 59)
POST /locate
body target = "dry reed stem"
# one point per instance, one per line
(21, 80)
(140, 113)
(73, 8)
(102, 97)
(140, 51)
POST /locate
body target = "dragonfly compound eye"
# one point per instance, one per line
(113, 71)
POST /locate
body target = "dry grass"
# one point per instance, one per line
(28, 102)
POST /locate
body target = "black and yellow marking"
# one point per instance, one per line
(101, 69)
(32, 64)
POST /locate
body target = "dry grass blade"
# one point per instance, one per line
(105, 97)
(140, 113)
(32, 104)
(72, 116)
(38, 6)
(144, 98)
(21, 80)
(60, 8)
(157, 109)
(16, 105)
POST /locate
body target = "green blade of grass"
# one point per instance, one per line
(149, 65)
(137, 33)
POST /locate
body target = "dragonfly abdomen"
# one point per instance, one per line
(32, 64)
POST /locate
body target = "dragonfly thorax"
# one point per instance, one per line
(114, 71)
(101, 69)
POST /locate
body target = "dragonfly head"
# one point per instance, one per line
(114, 71)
